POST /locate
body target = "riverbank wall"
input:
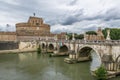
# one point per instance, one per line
(16, 47)
(17, 51)
(8, 45)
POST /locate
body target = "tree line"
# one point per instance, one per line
(114, 34)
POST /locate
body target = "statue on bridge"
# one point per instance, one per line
(73, 36)
(108, 35)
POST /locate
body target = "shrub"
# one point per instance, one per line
(101, 73)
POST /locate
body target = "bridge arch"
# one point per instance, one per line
(43, 46)
(51, 47)
(88, 48)
(89, 52)
(63, 48)
(118, 61)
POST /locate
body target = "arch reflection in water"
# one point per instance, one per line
(96, 61)
(27, 56)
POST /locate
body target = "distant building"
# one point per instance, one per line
(99, 35)
(33, 29)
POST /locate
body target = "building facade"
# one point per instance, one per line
(33, 29)
(98, 37)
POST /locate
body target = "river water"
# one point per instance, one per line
(33, 66)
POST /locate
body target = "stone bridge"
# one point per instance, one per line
(103, 52)
(83, 49)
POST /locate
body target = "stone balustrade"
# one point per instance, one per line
(112, 42)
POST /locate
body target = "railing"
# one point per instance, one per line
(86, 41)
(111, 42)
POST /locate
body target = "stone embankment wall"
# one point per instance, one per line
(8, 45)
(17, 47)
(27, 45)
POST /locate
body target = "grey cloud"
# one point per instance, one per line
(73, 2)
(112, 14)
(15, 11)
(64, 30)
(72, 18)
(52, 15)
(91, 28)
(23, 8)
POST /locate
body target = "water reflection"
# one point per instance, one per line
(31, 66)
(52, 68)
(27, 56)
(30, 63)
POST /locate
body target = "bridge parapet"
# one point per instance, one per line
(111, 42)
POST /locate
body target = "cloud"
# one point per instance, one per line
(72, 18)
(73, 2)
(63, 15)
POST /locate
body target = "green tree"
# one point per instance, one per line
(77, 36)
(91, 33)
(114, 33)
(69, 35)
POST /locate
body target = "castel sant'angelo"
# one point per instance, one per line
(34, 29)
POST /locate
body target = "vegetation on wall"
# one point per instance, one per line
(80, 36)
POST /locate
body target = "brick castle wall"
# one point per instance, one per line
(7, 36)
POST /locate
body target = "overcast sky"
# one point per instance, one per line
(63, 15)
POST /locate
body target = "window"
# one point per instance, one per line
(37, 24)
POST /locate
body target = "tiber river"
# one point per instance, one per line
(33, 66)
